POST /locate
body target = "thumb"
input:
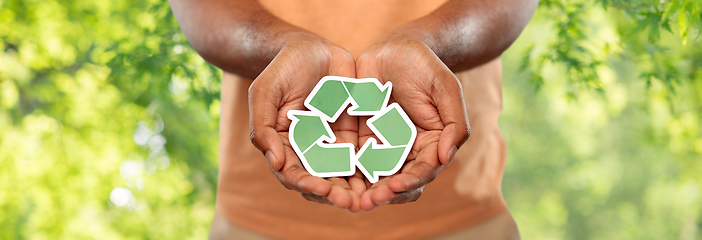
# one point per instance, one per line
(263, 114)
(448, 97)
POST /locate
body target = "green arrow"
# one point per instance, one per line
(327, 160)
(306, 128)
(368, 96)
(375, 160)
(389, 126)
(329, 97)
(395, 129)
(307, 135)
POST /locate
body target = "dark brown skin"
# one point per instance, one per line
(418, 57)
(238, 36)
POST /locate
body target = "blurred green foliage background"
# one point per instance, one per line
(108, 122)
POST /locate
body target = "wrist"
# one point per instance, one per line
(281, 39)
(399, 43)
(291, 37)
(440, 40)
(419, 31)
(315, 47)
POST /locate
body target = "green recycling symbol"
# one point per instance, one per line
(312, 139)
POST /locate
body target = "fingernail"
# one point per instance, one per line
(386, 202)
(451, 154)
(270, 158)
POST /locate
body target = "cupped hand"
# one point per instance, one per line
(282, 86)
(432, 97)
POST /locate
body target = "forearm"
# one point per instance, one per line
(237, 36)
(465, 34)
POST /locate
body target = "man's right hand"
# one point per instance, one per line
(243, 38)
(282, 86)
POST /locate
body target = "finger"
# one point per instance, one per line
(383, 195)
(357, 183)
(366, 201)
(340, 194)
(447, 94)
(341, 63)
(300, 180)
(263, 114)
(407, 197)
(356, 203)
(367, 63)
(294, 177)
(315, 198)
(421, 171)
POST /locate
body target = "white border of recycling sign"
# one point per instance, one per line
(313, 141)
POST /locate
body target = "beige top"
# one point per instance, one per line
(465, 193)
